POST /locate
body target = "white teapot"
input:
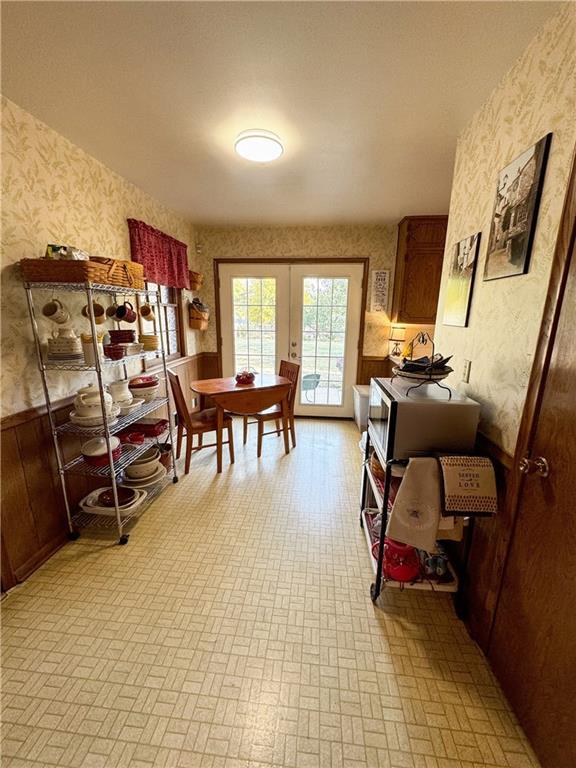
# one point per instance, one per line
(87, 401)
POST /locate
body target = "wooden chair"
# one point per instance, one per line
(289, 371)
(196, 423)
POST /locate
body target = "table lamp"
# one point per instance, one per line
(398, 333)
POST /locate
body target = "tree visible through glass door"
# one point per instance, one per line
(254, 319)
(323, 344)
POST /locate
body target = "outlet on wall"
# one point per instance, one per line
(466, 371)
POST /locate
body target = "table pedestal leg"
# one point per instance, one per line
(285, 424)
(219, 430)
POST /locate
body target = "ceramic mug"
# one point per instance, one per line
(111, 311)
(126, 312)
(54, 310)
(98, 310)
(147, 312)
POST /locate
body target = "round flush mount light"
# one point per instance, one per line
(258, 146)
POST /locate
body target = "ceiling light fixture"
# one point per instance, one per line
(258, 146)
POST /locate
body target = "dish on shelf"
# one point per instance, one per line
(146, 393)
(131, 348)
(95, 451)
(145, 482)
(95, 421)
(431, 376)
(143, 382)
(133, 438)
(90, 503)
(125, 496)
(132, 406)
(152, 427)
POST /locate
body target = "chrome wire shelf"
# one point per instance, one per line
(52, 365)
(96, 287)
(92, 521)
(129, 454)
(69, 428)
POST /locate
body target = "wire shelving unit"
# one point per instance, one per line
(113, 469)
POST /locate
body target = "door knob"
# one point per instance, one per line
(537, 466)
(293, 354)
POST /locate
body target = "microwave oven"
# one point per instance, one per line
(420, 422)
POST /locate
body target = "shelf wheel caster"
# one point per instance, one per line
(174, 480)
(361, 522)
(73, 535)
(123, 539)
(373, 594)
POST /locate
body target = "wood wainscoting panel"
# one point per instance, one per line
(33, 514)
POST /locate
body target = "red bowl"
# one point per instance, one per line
(102, 460)
(114, 351)
(125, 496)
(135, 438)
(140, 382)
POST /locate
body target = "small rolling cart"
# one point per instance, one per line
(404, 425)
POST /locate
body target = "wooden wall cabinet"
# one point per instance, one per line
(419, 258)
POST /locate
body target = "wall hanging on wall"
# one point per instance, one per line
(460, 281)
(379, 290)
(515, 212)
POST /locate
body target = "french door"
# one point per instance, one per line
(305, 313)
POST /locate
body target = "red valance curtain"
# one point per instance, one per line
(165, 259)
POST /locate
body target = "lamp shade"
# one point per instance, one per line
(397, 333)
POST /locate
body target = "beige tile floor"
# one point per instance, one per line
(236, 631)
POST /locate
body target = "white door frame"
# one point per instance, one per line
(309, 262)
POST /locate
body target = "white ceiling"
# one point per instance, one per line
(368, 97)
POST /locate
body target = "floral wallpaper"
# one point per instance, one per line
(537, 95)
(53, 192)
(378, 242)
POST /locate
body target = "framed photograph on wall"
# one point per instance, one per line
(515, 212)
(460, 281)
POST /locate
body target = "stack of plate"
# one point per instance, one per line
(144, 482)
(151, 341)
(95, 422)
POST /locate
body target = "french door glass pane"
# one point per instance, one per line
(325, 304)
(254, 319)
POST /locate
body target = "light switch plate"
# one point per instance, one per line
(466, 371)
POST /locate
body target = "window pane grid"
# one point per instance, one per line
(254, 323)
(323, 340)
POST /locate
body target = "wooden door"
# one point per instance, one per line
(533, 641)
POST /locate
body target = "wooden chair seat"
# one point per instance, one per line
(274, 413)
(197, 423)
(206, 420)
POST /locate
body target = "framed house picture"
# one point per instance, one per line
(460, 281)
(515, 212)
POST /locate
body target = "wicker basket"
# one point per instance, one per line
(100, 271)
(196, 280)
(376, 468)
(197, 318)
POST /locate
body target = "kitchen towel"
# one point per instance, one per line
(415, 514)
(469, 486)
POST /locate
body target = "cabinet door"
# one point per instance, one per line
(418, 269)
(420, 286)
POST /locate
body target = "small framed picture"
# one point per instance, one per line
(515, 213)
(460, 281)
